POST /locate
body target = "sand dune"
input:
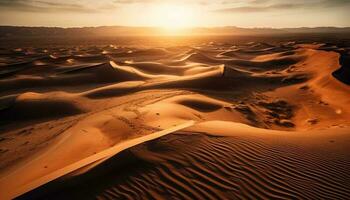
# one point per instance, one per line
(29, 106)
(247, 163)
(343, 73)
(267, 121)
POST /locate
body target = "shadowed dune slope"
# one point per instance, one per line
(343, 73)
(32, 106)
(249, 164)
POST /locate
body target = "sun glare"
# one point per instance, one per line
(173, 17)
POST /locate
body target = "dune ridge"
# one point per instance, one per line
(103, 155)
(199, 163)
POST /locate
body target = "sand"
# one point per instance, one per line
(245, 120)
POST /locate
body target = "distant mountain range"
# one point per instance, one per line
(16, 31)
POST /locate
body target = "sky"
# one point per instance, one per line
(176, 13)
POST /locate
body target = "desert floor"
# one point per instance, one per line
(212, 119)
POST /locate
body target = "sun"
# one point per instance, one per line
(173, 17)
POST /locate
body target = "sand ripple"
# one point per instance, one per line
(204, 167)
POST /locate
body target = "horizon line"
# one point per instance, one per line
(190, 27)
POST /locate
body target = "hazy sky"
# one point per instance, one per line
(243, 13)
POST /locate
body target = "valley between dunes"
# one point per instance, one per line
(213, 121)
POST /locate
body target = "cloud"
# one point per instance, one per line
(261, 8)
(330, 3)
(266, 5)
(223, 6)
(44, 6)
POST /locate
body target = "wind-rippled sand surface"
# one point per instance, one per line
(264, 120)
